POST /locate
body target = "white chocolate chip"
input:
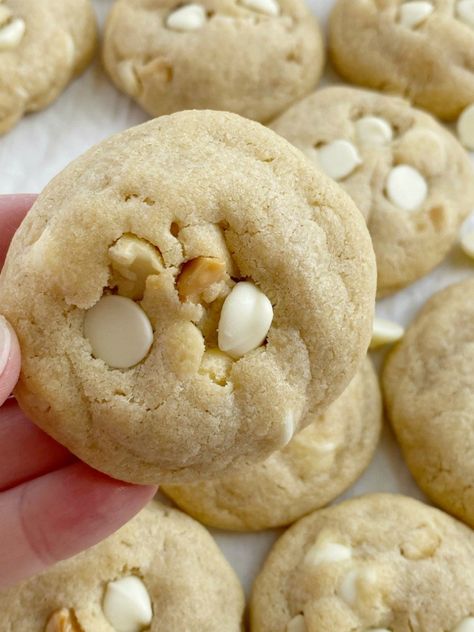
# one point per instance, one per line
(466, 625)
(406, 188)
(412, 14)
(465, 12)
(385, 332)
(327, 553)
(467, 244)
(246, 317)
(127, 605)
(373, 130)
(338, 159)
(269, 7)
(133, 260)
(288, 429)
(119, 331)
(12, 33)
(465, 127)
(191, 17)
(297, 624)
(352, 584)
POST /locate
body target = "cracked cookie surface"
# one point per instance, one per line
(378, 563)
(181, 572)
(252, 57)
(42, 46)
(210, 196)
(428, 385)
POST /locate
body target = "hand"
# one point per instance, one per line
(51, 505)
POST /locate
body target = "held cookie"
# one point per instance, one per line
(429, 390)
(252, 57)
(183, 294)
(379, 563)
(410, 178)
(43, 44)
(422, 50)
(321, 462)
(161, 572)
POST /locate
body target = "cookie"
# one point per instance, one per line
(42, 46)
(162, 571)
(320, 463)
(421, 50)
(429, 390)
(378, 563)
(183, 294)
(252, 57)
(410, 178)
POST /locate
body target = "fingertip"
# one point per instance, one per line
(10, 359)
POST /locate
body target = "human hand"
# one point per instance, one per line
(51, 505)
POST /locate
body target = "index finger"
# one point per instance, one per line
(13, 209)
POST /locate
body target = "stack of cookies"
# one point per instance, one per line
(194, 299)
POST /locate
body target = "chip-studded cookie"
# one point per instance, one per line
(321, 462)
(252, 57)
(43, 44)
(423, 50)
(429, 391)
(183, 294)
(378, 563)
(160, 572)
(411, 179)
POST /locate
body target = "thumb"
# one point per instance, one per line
(9, 359)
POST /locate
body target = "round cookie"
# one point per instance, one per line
(378, 563)
(42, 46)
(410, 178)
(320, 463)
(428, 384)
(244, 278)
(251, 57)
(421, 50)
(162, 571)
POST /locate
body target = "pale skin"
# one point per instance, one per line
(52, 506)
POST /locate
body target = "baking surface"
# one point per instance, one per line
(92, 109)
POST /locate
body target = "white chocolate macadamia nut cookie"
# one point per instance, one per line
(410, 177)
(162, 572)
(423, 51)
(252, 57)
(320, 463)
(43, 44)
(429, 390)
(378, 563)
(184, 294)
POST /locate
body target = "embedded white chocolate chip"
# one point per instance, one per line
(246, 317)
(465, 12)
(133, 260)
(12, 33)
(297, 624)
(465, 127)
(338, 159)
(269, 7)
(198, 275)
(351, 584)
(385, 332)
(373, 130)
(191, 17)
(412, 14)
(406, 188)
(119, 331)
(288, 429)
(127, 605)
(327, 553)
(466, 625)
(467, 244)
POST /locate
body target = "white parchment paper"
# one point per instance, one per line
(92, 109)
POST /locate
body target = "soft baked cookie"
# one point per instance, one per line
(162, 571)
(409, 176)
(252, 57)
(379, 563)
(429, 389)
(422, 50)
(183, 294)
(43, 44)
(321, 462)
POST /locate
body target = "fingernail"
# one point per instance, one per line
(5, 344)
